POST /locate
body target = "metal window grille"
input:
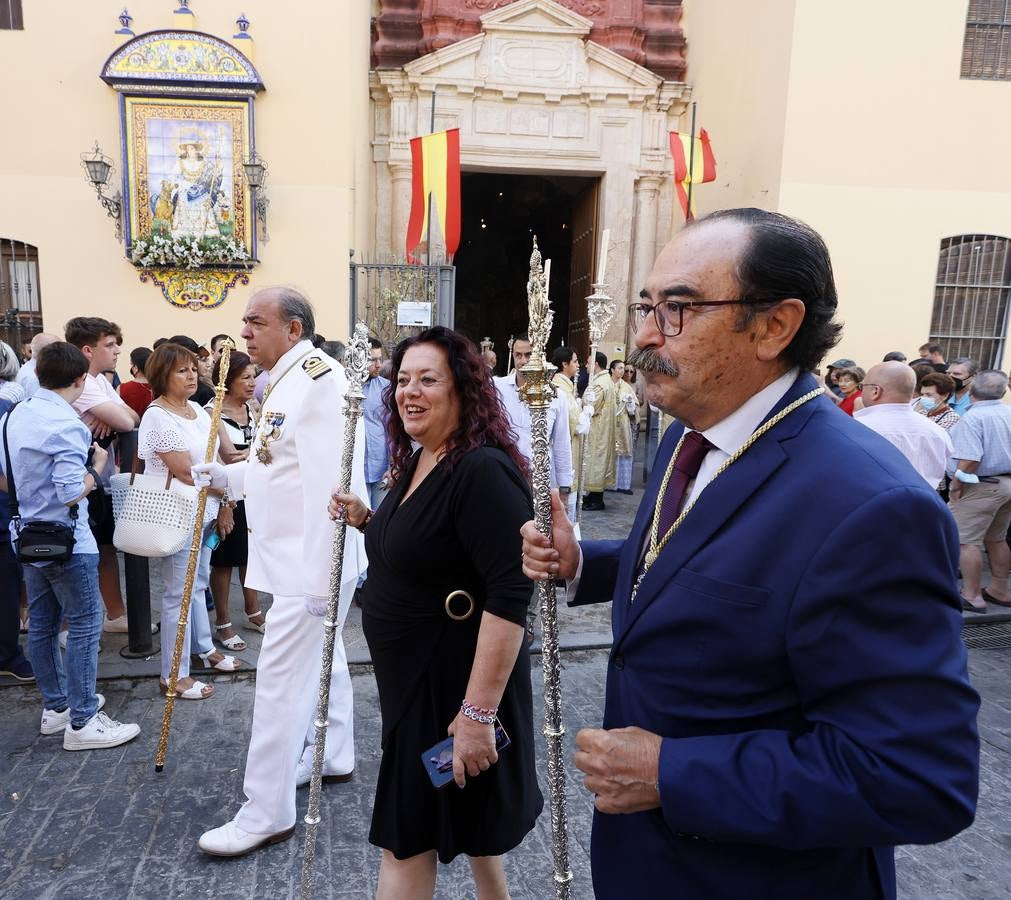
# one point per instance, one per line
(971, 297)
(10, 15)
(986, 52)
(20, 296)
(377, 289)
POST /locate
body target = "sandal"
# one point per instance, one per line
(194, 692)
(233, 643)
(225, 664)
(252, 626)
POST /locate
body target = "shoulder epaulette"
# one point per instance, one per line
(315, 367)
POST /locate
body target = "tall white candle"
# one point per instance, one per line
(602, 262)
(547, 277)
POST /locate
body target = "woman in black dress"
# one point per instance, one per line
(450, 523)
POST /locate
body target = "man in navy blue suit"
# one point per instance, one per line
(787, 692)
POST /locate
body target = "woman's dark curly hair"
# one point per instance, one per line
(483, 419)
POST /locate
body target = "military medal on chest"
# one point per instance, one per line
(270, 430)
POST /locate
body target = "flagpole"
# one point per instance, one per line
(431, 130)
(691, 169)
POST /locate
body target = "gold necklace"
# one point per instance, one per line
(656, 543)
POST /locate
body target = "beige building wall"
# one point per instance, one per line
(739, 56)
(311, 127)
(881, 145)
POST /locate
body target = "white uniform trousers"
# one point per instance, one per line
(287, 688)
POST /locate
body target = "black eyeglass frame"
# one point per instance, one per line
(637, 312)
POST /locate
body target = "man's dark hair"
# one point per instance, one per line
(139, 357)
(186, 342)
(60, 364)
(87, 331)
(318, 341)
(521, 337)
(375, 343)
(334, 349)
(933, 348)
(601, 359)
(614, 365)
(895, 356)
(786, 259)
(971, 364)
(561, 356)
(220, 337)
(158, 342)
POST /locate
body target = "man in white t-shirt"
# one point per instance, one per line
(106, 415)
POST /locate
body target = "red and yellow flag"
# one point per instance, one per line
(435, 160)
(703, 166)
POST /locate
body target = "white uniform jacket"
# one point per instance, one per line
(294, 463)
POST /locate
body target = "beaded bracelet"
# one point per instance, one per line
(483, 714)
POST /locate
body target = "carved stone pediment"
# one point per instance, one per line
(534, 47)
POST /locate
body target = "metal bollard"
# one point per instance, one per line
(138, 586)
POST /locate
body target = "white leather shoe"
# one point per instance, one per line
(230, 840)
(303, 775)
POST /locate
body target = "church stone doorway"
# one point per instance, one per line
(501, 213)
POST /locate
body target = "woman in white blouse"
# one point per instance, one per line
(173, 436)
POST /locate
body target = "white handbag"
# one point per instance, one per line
(154, 513)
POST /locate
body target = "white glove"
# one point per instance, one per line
(583, 426)
(209, 475)
(316, 606)
(589, 397)
(630, 404)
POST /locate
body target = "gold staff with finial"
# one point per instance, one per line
(191, 567)
(537, 392)
(356, 363)
(600, 309)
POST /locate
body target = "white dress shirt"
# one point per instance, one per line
(727, 437)
(925, 444)
(559, 441)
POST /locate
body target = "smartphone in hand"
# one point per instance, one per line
(438, 759)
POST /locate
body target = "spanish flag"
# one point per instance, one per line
(703, 166)
(435, 160)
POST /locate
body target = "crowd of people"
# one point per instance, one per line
(763, 655)
(949, 420)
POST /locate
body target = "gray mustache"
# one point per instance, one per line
(648, 360)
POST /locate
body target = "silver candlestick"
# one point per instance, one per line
(600, 309)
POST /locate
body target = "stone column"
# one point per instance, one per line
(401, 191)
(647, 193)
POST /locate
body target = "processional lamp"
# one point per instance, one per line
(98, 168)
(256, 175)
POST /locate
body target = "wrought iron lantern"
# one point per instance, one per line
(98, 167)
(256, 176)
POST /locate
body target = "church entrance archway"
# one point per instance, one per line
(501, 213)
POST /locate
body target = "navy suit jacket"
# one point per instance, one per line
(798, 646)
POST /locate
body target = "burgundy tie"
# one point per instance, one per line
(686, 467)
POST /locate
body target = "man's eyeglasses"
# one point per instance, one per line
(670, 314)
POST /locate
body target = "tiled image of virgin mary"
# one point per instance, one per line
(189, 178)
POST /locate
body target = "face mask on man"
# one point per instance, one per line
(959, 384)
(928, 403)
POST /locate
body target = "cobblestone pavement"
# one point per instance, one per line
(102, 824)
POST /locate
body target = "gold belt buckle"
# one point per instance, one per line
(453, 615)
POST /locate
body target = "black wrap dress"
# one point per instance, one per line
(459, 530)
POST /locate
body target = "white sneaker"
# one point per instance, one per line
(230, 840)
(53, 721)
(100, 732)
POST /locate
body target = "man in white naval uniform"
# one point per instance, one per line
(294, 461)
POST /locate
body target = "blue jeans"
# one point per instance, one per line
(66, 590)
